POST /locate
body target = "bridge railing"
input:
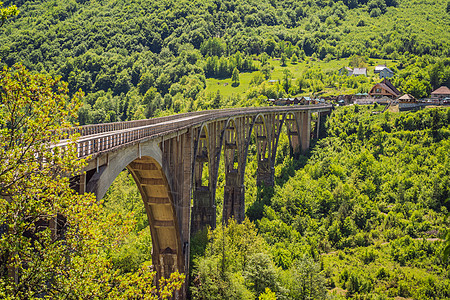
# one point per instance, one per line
(117, 134)
(86, 130)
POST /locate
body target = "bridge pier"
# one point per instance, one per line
(265, 173)
(233, 198)
(304, 120)
(203, 211)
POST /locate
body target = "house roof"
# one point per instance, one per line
(387, 69)
(388, 83)
(380, 67)
(443, 90)
(360, 71)
(406, 97)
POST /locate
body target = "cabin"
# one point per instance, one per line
(384, 88)
(359, 71)
(282, 101)
(386, 73)
(308, 101)
(440, 93)
(407, 98)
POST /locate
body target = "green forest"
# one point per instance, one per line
(136, 59)
(362, 215)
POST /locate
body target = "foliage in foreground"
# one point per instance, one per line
(236, 264)
(54, 242)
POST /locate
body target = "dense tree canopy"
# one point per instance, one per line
(364, 212)
(120, 50)
(54, 242)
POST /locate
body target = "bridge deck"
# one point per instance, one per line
(100, 138)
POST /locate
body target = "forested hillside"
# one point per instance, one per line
(134, 59)
(362, 219)
(362, 215)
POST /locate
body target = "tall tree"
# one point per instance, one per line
(287, 76)
(235, 77)
(53, 242)
(7, 12)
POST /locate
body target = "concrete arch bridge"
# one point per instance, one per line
(170, 157)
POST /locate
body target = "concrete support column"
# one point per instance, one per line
(321, 123)
(167, 262)
(203, 212)
(204, 209)
(305, 130)
(82, 188)
(265, 173)
(233, 198)
(294, 135)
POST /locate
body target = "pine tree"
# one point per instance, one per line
(235, 77)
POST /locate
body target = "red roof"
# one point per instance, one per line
(443, 90)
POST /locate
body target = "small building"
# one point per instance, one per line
(282, 101)
(359, 71)
(308, 101)
(361, 95)
(379, 68)
(295, 101)
(386, 73)
(440, 93)
(345, 71)
(384, 88)
(406, 98)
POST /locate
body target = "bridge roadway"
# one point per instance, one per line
(170, 157)
(98, 138)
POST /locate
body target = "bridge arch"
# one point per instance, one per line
(203, 193)
(231, 143)
(145, 165)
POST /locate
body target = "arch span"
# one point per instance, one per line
(145, 164)
(157, 196)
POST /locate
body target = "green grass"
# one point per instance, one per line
(227, 90)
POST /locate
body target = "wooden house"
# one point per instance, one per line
(384, 88)
(440, 93)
